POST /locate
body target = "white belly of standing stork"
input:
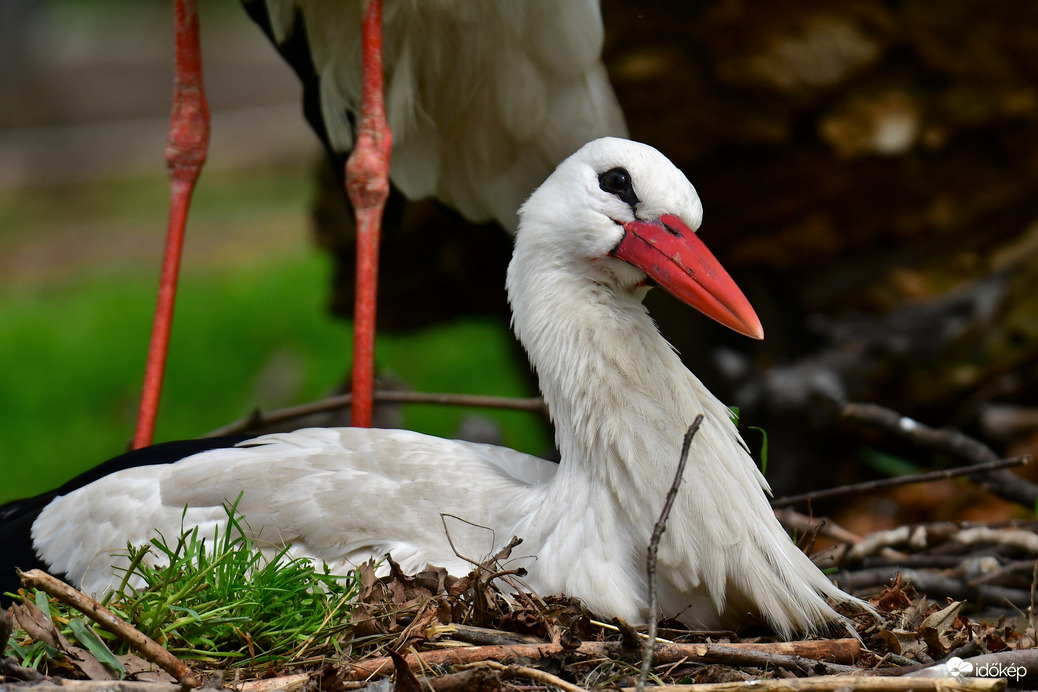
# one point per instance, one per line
(484, 98)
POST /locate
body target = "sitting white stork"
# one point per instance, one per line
(613, 219)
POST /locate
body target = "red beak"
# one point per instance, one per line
(676, 259)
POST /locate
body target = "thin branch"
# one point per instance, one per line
(285, 683)
(844, 682)
(614, 628)
(259, 419)
(528, 673)
(482, 636)
(450, 540)
(741, 657)
(468, 680)
(1031, 614)
(869, 486)
(1023, 663)
(10, 668)
(654, 546)
(780, 654)
(931, 582)
(1001, 482)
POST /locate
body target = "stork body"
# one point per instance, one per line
(611, 218)
(484, 98)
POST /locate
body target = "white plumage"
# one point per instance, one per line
(620, 399)
(483, 98)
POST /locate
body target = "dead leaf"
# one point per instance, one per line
(85, 662)
(139, 669)
(905, 643)
(405, 677)
(36, 624)
(895, 597)
(939, 630)
(943, 619)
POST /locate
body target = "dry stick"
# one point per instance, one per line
(1001, 482)
(780, 654)
(480, 636)
(842, 682)
(529, 673)
(9, 668)
(469, 680)
(743, 657)
(259, 418)
(654, 546)
(929, 582)
(825, 526)
(1032, 615)
(147, 647)
(868, 486)
(284, 683)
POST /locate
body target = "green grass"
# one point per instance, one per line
(250, 330)
(217, 601)
(227, 601)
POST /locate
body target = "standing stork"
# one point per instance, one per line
(483, 99)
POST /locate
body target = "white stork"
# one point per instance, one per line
(483, 99)
(613, 219)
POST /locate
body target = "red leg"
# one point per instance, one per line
(185, 154)
(367, 184)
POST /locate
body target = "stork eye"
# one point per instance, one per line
(617, 181)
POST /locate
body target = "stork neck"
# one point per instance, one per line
(618, 394)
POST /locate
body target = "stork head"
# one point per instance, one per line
(624, 215)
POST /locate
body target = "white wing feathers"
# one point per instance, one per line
(344, 494)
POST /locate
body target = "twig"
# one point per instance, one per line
(962, 564)
(614, 628)
(470, 680)
(841, 682)
(781, 654)
(654, 546)
(10, 668)
(137, 640)
(868, 486)
(530, 673)
(739, 657)
(284, 683)
(259, 419)
(1031, 615)
(1010, 537)
(932, 583)
(802, 523)
(1019, 664)
(482, 636)
(1001, 482)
